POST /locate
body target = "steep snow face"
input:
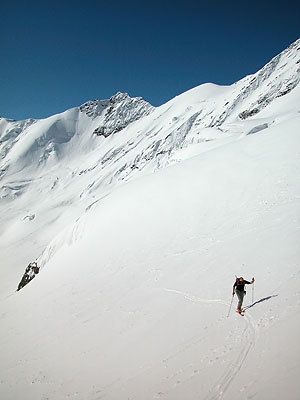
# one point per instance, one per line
(255, 92)
(44, 157)
(280, 76)
(36, 144)
(10, 132)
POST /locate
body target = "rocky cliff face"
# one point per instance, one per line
(117, 113)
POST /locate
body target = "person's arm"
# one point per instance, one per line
(233, 288)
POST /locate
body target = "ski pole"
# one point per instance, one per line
(230, 306)
(253, 292)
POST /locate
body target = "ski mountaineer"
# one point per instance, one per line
(239, 289)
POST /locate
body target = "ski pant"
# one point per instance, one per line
(240, 296)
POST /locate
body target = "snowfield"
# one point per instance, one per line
(139, 235)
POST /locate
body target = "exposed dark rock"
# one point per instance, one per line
(248, 113)
(287, 89)
(103, 131)
(31, 271)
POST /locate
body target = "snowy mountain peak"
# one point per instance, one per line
(118, 112)
(23, 145)
(96, 108)
(277, 78)
(255, 92)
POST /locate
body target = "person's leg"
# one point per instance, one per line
(240, 296)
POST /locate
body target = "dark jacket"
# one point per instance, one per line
(240, 285)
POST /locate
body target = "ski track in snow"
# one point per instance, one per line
(196, 299)
(225, 381)
(248, 339)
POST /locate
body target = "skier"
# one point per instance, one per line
(239, 289)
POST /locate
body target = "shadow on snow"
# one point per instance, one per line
(260, 301)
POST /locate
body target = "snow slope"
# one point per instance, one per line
(137, 267)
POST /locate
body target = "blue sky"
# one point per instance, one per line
(57, 55)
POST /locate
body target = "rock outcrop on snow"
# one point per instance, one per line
(31, 271)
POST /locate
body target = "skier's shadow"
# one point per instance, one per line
(260, 301)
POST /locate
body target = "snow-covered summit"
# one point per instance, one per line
(252, 94)
(42, 143)
(119, 107)
(277, 78)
